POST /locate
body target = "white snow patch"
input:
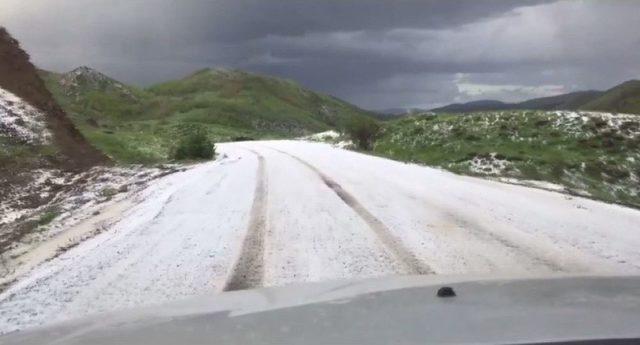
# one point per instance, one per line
(323, 136)
(344, 144)
(21, 121)
(535, 183)
(330, 136)
(73, 197)
(488, 165)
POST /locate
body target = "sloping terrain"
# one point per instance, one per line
(246, 100)
(568, 101)
(21, 123)
(37, 143)
(89, 96)
(34, 131)
(624, 98)
(280, 212)
(135, 125)
(20, 82)
(111, 115)
(596, 154)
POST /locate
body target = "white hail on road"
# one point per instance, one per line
(278, 212)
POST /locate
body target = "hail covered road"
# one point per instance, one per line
(274, 213)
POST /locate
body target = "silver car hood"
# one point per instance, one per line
(394, 310)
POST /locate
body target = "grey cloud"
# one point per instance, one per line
(375, 53)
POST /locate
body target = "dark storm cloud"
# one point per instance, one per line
(377, 53)
(241, 20)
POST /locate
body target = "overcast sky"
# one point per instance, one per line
(376, 54)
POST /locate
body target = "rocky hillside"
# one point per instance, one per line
(589, 153)
(136, 125)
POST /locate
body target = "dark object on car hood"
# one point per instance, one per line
(397, 310)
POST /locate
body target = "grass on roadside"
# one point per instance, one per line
(594, 153)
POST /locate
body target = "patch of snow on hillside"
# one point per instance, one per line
(571, 122)
(491, 164)
(330, 136)
(323, 136)
(21, 121)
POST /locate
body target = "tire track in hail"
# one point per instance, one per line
(485, 234)
(248, 270)
(478, 230)
(411, 262)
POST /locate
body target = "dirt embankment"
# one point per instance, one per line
(25, 166)
(18, 75)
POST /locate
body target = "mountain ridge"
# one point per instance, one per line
(228, 103)
(479, 105)
(624, 98)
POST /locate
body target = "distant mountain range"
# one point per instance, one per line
(623, 98)
(480, 105)
(394, 113)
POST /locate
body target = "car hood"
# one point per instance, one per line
(398, 310)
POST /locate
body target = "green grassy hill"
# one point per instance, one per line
(624, 98)
(246, 100)
(588, 153)
(136, 125)
(91, 98)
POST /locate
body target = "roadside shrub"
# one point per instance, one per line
(557, 169)
(47, 217)
(194, 145)
(542, 123)
(363, 132)
(242, 138)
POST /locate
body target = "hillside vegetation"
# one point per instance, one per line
(595, 154)
(568, 101)
(143, 125)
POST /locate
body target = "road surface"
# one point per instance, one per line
(277, 212)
